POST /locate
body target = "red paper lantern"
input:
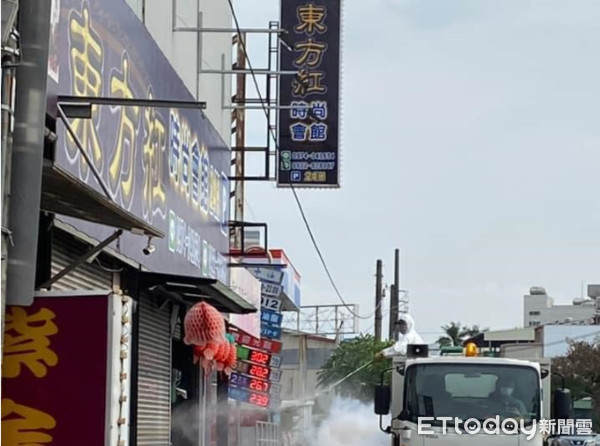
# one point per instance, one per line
(203, 324)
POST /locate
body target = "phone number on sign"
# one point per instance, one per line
(319, 156)
(302, 165)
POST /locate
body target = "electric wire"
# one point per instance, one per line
(296, 197)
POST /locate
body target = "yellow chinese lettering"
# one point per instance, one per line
(26, 342)
(185, 168)
(23, 426)
(307, 82)
(121, 172)
(86, 65)
(214, 192)
(311, 53)
(310, 18)
(154, 198)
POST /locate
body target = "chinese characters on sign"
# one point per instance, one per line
(309, 129)
(167, 166)
(55, 360)
(27, 350)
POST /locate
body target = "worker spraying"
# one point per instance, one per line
(408, 335)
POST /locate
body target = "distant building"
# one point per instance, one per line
(302, 357)
(539, 309)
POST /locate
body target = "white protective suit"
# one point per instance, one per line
(410, 337)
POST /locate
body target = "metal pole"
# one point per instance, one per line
(222, 409)
(8, 82)
(303, 365)
(99, 247)
(240, 140)
(230, 30)
(28, 150)
(257, 71)
(395, 296)
(378, 290)
(238, 406)
(83, 152)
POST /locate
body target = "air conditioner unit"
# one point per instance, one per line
(9, 15)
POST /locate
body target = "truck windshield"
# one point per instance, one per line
(479, 391)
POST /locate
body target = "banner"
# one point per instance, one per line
(167, 166)
(54, 372)
(309, 131)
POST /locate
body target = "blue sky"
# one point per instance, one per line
(471, 136)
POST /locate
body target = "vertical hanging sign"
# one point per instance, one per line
(308, 153)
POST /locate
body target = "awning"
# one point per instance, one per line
(287, 304)
(63, 193)
(190, 290)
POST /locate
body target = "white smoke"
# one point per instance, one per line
(350, 423)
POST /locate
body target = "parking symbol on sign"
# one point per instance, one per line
(296, 176)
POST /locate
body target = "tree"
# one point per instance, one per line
(456, 334)
(452, 335)
(581, 370)
(346, 359)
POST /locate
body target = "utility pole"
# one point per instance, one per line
(393, 313)
(378, 297)
(395, 295)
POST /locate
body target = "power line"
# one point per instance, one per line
(297, 199)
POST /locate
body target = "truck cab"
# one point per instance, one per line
(463, 399)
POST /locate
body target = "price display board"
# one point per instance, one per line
(269, 332)
(270, 289)
(254, 384)
(270, 317)
(268, 275)
(262, 358)
(258, 371)
(270, 303)
(262, 344)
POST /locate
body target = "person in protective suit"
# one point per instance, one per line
(407, 335)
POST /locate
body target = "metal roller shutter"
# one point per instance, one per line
(154, 374)
(86, 276)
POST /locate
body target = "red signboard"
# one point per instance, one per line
(54, 372)
(262, 344)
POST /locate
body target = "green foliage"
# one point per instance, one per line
(456, 334)
(581, 369)
(349, 356)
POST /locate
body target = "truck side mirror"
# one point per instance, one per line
(382, 399)
(563, 404)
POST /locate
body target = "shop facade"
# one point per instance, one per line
(134, 230)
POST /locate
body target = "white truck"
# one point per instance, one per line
(455, 401)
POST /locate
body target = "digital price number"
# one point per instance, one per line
(266, 359)
(253, 370)
(246, 396)
(258, 371)
(258, 385)
(259, 357)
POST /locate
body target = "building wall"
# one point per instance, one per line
(187, 57)
(319, 351)
(540, 310)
